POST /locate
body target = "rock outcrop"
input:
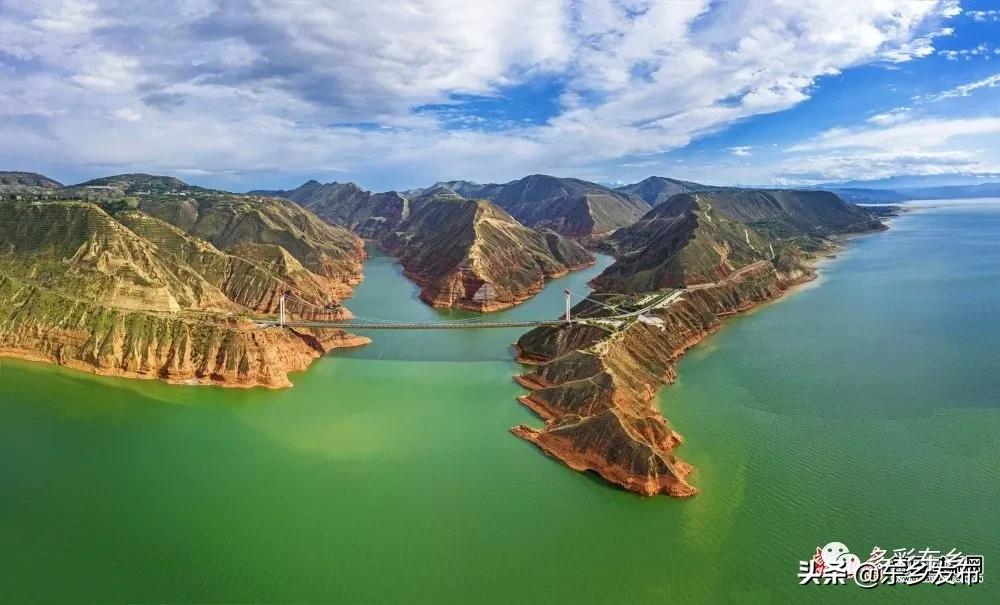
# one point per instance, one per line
(143, 276)
(680, 270)
(469, 254)
(42, 325)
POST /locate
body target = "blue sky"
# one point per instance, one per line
(389, 94)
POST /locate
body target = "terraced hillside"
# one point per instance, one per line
(148, 277)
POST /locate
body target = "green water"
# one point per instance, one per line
(862, 409)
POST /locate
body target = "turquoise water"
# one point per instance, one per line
(861, 409)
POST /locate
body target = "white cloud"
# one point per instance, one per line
(925, 133)
(229, 87)
(967, 89)
(128, 114)
(916, 48)
(896, 145)
(641, 164)
(67, 17)
(980, 50)
(950, 8)
(893, 116)
(874, 165)
(742, 150)
(984, 15)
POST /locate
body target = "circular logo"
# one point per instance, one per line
(868, 575)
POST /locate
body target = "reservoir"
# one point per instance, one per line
(863, 408)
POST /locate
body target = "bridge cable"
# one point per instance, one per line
(609, 307)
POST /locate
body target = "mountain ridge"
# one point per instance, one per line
(488, 260)
(18, 181)
(147, 277)
(573, 207)
(655, 190)
(491, 261)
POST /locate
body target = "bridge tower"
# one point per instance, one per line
(568, 305)
(281, 310)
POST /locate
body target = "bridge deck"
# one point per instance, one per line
(348, 325)
(658, 302)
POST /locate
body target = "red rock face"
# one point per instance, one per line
(463, 253)
(469, 254)
(594, 388)
(135, 344)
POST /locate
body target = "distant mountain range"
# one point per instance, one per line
(953, 191)
(902, 189)
(916, 181)
(657, 189)
(572, 207)
(370, 215)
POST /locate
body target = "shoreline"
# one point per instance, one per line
(216, 380)
(428, 296)
(554, 402)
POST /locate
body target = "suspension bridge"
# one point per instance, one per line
(360, 322)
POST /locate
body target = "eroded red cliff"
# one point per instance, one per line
(594, 383)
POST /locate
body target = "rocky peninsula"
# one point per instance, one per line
(680, 270)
